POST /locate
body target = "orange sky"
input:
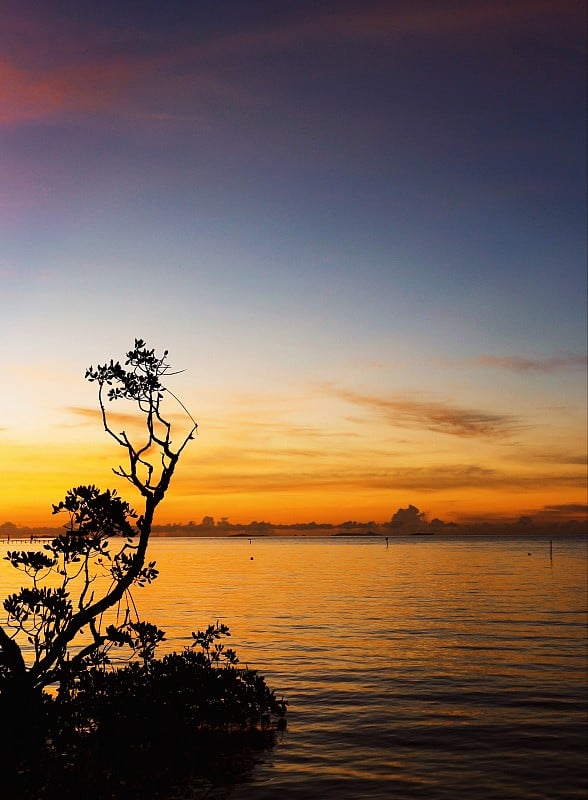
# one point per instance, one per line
(346, 456)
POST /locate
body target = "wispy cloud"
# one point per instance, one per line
(267, 474)
(519, 364)
(568, 508)
(375, 21)
(246, 428)
(97, 70)
(573, 459)
(522, 364)
(117, 418)
(440, 417)
(81, 87)
(94, 415)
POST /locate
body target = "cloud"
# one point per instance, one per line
(522, 364)
(95, 415)
(560, 513)
(63, 66)
(243, 428)
(28, 95)
(276, 472)
(519, 364)
(568, 508)
(116, 418)
(561, 458)
(377, 20)
(436, 416)
(374, 21)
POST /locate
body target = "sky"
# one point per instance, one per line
(359, 228)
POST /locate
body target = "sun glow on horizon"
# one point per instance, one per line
(332, 475)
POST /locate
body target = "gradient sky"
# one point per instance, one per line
(359, 227)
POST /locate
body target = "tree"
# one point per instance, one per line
(59, 632)
(48, 637)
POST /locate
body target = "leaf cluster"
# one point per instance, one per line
(95, 515)
(63, 579)
(141, 383)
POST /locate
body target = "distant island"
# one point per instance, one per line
(225, 529)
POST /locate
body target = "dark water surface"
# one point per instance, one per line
(436, 667)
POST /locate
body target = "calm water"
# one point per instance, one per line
(437, 667)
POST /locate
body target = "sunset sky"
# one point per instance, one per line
(359, 227)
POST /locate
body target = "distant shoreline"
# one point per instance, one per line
(31, 535)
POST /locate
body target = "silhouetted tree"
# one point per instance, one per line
(49, 636)
(60, 631)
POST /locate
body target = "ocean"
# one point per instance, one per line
(436, 666)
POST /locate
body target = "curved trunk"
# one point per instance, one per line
(40, 673)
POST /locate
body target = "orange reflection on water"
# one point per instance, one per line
(437, 661)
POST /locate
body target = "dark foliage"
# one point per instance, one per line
(191, 719)
(192, 691)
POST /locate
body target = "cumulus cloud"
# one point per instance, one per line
(437, 416)
(407, 516)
